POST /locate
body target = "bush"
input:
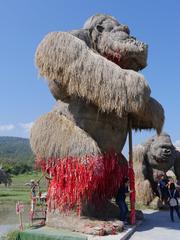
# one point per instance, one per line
(7, 167)
(17, 168)
(21, 168)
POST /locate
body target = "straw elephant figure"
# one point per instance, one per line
(151, 160)
(93, 74)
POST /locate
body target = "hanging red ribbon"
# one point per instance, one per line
(132, 193)
(95, 178)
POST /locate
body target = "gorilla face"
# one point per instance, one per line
(161, 153)
(113, 41)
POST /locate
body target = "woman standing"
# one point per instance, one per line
(173, 200)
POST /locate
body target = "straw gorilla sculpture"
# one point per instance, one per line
(152, 159)
(92, 73)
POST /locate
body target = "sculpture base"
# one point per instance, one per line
(95, 221)
(86, 225)
(101, 221)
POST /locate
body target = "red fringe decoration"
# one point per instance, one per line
(75, 180)
(132, 193)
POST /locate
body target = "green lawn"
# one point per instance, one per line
(18, 191)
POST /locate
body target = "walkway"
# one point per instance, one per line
(157, 225)
(4, 229)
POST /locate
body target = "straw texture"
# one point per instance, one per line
(53, 135)
(66, 59)
(151, 117)
(73, 69)
(155, 157)
(113, 40)
(81, 127)
(144, 193)
(92, 72)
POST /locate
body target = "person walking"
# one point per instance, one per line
(173, 200)
(121, 200)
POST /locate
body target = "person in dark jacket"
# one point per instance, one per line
(121, 200)
(163, 188)
(173, 200)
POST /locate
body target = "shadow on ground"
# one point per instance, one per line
(158, 219)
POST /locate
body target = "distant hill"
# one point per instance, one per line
(15, 150)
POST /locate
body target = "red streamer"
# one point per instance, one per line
(132, 193)
(93, 178)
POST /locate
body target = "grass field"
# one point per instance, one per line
(18, 191)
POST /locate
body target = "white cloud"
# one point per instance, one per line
(6, 127)
(177, 143)
(27, 126)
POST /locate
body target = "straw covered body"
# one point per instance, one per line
(151, 160)
(93, 74)
(84, 73)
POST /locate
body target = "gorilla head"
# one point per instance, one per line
(113, 41)
(161, 152)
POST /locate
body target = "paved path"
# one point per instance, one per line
(4, 229)
(157, 225)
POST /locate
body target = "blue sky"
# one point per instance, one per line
(23, 23)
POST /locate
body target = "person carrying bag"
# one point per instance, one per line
(173, 200)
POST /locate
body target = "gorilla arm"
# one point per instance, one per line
(177, 166)
(55, 136)
(82, 72)
(144, 192)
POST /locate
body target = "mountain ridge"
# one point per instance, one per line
(15, 149)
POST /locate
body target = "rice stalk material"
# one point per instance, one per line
(144, 193)
(53, 135)
(84, 73)
(115, 42)
(108, 130)
(94, 20)
(177, 164)
(132, 53)
(151, 117)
